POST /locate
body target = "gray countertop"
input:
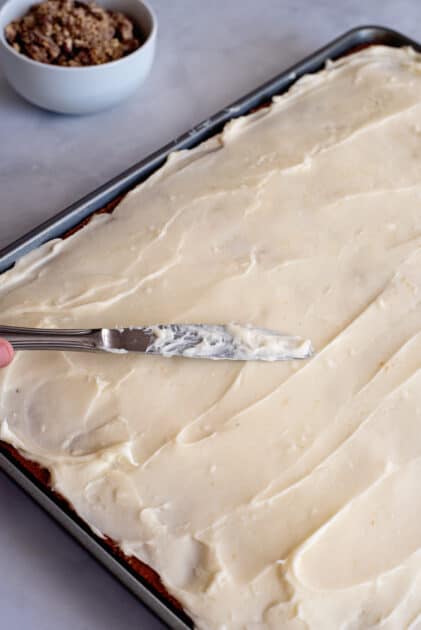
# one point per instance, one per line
(209, 53)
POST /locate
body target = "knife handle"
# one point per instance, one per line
(52, 339)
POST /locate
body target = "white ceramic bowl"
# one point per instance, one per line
(84, 89)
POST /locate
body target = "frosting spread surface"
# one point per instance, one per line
(265, 495)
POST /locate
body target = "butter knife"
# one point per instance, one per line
(196, 341)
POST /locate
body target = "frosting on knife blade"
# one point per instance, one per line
(234, 342)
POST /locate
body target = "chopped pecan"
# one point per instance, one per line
(71, 33)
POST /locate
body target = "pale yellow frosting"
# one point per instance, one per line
(267, 496)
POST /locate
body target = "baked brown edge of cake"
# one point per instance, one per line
(147, 575)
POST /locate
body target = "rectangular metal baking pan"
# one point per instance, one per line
(72, 216)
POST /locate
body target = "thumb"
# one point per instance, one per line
(6, 353)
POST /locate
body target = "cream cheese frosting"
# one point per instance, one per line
(232, 341)
(266, 496)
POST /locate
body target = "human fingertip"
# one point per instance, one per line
(6, 353)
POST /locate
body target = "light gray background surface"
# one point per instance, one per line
(209, 53)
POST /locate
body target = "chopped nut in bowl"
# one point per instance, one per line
(76, 57)
(72, 33)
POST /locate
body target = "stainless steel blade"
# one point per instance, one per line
(203, 341)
